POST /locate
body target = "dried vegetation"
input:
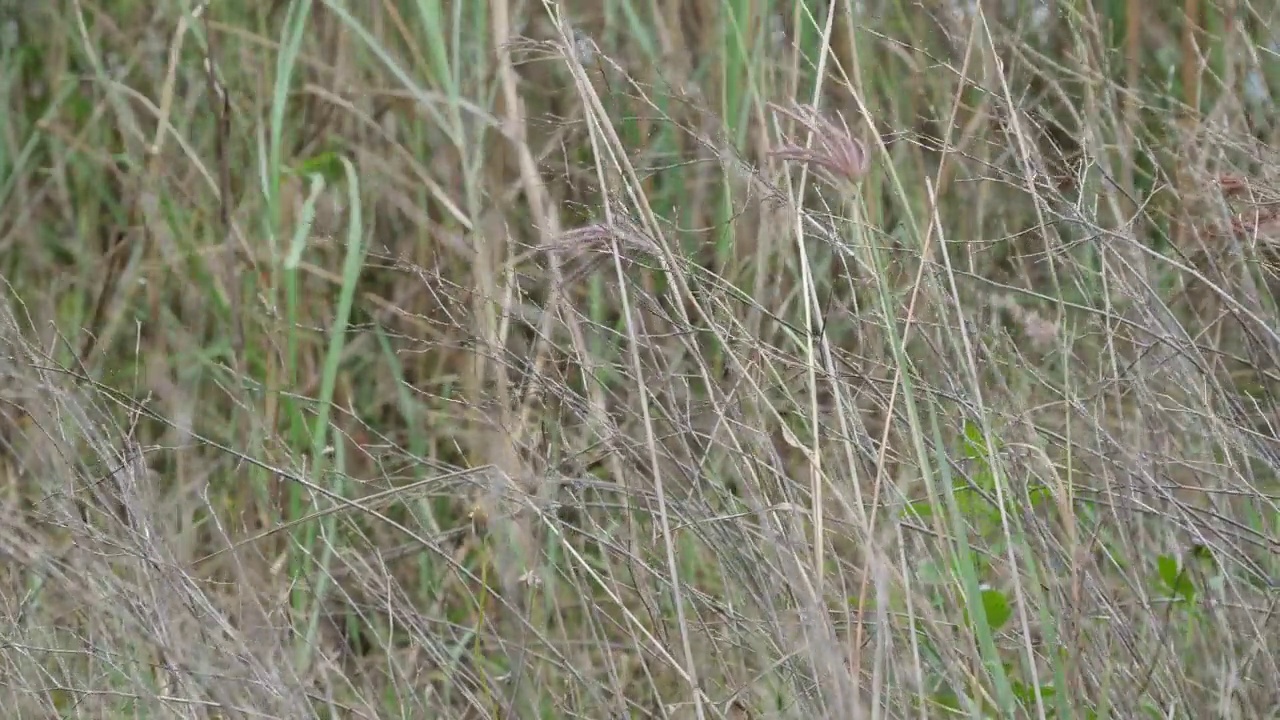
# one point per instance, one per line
(711, 359)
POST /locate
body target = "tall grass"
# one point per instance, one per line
(717, 359)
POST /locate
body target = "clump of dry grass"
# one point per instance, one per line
(580, 407)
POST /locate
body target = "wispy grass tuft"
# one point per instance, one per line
(717, 359)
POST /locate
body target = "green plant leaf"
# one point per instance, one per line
(1027, 693)
(996, 607)
(948, 702)
(985, 481)
(974, 506)
(1040, 496)
(327, 164)
(1168, 569)
(918, 510)
(1175, 579)
(975, 446)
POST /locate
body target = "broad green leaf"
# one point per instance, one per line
(920, 510)
(327, 165)
(1027, 693)
(1168, 568)
(996, 607)
(1175, 578)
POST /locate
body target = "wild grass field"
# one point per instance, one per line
(678, 359)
